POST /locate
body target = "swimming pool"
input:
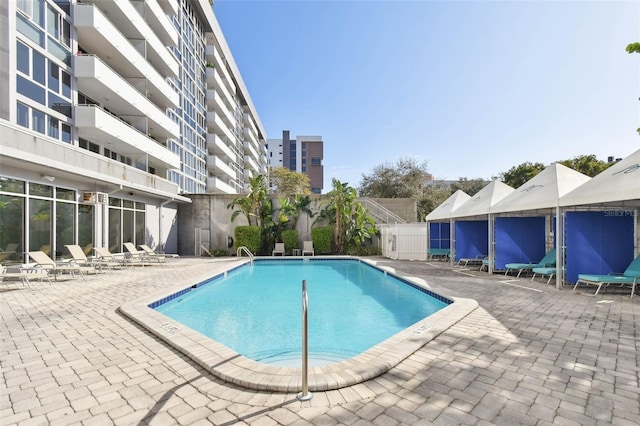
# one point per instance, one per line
(256, 309)
(228, 365)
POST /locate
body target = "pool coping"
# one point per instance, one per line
(232, 367)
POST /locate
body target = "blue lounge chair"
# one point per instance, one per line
(631, 276)
(549, 260)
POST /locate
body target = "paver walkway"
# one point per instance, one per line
(528, 355)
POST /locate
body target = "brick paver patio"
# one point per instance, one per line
(530, 355)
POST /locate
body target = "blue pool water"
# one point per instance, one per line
(256, 309)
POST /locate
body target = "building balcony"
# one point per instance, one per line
(95, 124)
(98, 35)
(249, 150)
(128, 21)
(216, 125)
(157, 19)
(218, 147)
(169, 7)
(28, 150)
(213, 56)
(217, 166)
(215, 82)
(215, 101)
(251, 164)
(216, 185)
(102, 84)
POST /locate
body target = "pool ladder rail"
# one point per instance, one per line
(245, 250)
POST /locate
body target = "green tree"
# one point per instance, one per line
(252, 204)
(469, 186)
(633, 48)
(350, 220)
(586, 164)
(518, 175)
(288, 182)
(403, 179)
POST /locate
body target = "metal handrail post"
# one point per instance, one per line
(305, 395)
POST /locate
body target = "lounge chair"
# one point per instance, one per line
(137, 257)
(45, 262)
(438, 253)
(307, 247)
(105, 255)
(278, 249)
(631, 276)
(79, 257)
(150, 253)
(5, 255)
(549, 260)
(14, 275)
(551, 271)
(472, 261)
(11, 247)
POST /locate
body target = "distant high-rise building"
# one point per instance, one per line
(303, 154)
(110, 111)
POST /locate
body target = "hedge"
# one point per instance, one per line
(248, 236)
(322, 237)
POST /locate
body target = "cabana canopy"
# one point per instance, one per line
(617, 186)
(482, 203)
(444, 210)
(543, 190)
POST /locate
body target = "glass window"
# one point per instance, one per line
(66, 33)
(65, 232)
(11, 185)
(115, 243)
(38, 16)
(39, 69)
(52, 22)
(66, 84)
(30, 89)
(23, 55)
(127, 226)
(140, 228)
(11, 224)
(54, 77)
(65, 194)
(56, 103)
(128, 204)
(58, 51)
(54, 127)
(37, 120)
(85, 227)
(23, 115)
(28, 29)
(40, 225)
(66, 133)
(114, 202)
(40, 190)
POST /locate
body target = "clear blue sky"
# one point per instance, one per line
(473, 88)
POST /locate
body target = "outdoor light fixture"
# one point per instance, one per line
(49, 178)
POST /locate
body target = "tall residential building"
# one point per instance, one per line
(303, 154)
(110, 111)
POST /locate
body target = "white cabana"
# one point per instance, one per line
(600, 222)
(472, 229)
(618, 186)
(448, 206)
(523, 221)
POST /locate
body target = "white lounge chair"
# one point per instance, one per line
(278, 249)
(57, 268)
(150, 253)
(78, 255)
(137, 257)
(307, 247)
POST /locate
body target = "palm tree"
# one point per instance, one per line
(251, 204)
(340, 203)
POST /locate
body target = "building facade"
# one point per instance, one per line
(110, 112)
(304, 154)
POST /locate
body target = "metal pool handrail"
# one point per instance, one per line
(245, 250)
(305, 395)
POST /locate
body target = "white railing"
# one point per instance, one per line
(380, 213)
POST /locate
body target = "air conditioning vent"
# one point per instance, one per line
(95, 198)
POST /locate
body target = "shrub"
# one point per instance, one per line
(290, 239)
(364, 251)
(322, 237)
(218, 252)
(248, 236)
